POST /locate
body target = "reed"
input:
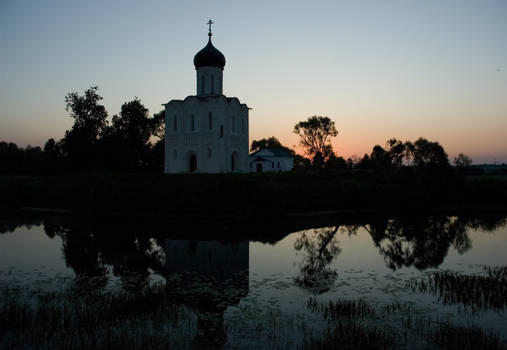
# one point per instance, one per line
(120, 320)
(474, 292)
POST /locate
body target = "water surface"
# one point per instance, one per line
(241, 285)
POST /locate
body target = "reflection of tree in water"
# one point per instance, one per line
(319, 248)
(425, 241)
(207, 276)
(93, 251)
(422, 242)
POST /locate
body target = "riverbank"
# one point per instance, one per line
(243, 195)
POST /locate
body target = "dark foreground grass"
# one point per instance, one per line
(148, 319)
(117, 320)
(358, 325)
(248, 194)
(451, 337)
(473, 292)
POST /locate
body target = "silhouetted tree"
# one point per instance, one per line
(429, 155)
(363, 163)
(270, 142)
(80, 142)
(315, 134)
(53, 156)
(18, 160)
(318, 161)
(301, 162)
(158, 124)
(396, 151)
(462, 161)
(379, 158)
(129, 134)
(334, 162)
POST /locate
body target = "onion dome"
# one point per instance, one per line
(209, 56)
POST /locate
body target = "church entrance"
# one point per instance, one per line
(259, 167)
(192, 163)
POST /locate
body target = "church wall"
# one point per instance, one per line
(271, 164)
(212, 151)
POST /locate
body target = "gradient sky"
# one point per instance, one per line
(379, 69)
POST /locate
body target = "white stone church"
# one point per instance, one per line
(208, 132)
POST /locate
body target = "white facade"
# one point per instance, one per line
(206, 135)
(208, 132)
(270, 160)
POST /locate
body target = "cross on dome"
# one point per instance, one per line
(209, 23)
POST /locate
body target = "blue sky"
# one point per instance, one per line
(379, 69)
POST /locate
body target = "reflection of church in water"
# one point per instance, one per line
(208, 277)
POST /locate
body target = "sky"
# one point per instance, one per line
(380, 69)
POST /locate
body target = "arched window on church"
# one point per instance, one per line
(221, 131)
(209, 153)
(210, 121)
(212, 84)
(175, 123)
(175, 154)
(202, 84)
(192, 122)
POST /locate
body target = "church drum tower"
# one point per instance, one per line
(206, 132)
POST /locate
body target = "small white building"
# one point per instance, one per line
(271, 159)
(208, 132)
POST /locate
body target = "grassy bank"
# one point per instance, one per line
(247, 194)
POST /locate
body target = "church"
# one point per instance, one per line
(206, 132)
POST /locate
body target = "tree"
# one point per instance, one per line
(315, 135)
(396, 151)
(159, 124)
(334, 162)
(462, 161)
(80, 142)
(271, 142)
(429, 155)
(302, 162)
(129, 135)
(318, 161)
(379, 158)
(88, 114)
(52, 155)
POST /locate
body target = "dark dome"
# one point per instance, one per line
(209, 56)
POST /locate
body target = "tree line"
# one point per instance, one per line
(316, 133)
(131, 140)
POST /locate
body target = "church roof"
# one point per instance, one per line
(276, 151)
(209, 56)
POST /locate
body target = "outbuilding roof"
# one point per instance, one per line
(276, 151)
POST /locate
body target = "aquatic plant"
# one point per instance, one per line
(351, 335)
(451, 337)
(474, 292)
(341, 308)
(119, 319)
